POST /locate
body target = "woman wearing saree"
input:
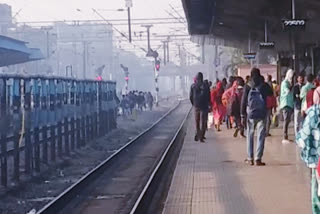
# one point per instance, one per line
(218, 108)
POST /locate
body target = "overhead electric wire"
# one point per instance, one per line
(94, 20)
(177, 13)
(121, 33)
(170, 14)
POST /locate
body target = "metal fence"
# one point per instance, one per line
(43, 119)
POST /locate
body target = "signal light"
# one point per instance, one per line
(157, 65)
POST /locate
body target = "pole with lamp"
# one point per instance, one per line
(155, 55)
(156, 74)
(129, 5)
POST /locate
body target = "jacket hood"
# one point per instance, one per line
(289, 75)
(199, 77)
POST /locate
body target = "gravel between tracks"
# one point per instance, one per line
(38, 191)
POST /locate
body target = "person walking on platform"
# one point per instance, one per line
(235, 107)
(304, 91)
(207, 89)
(253, 105)
(286, 103)
(226, 101)
(311, 93)
(200, 99)
(271, 105)
(297, 103)
(218, 109)
(308, 139)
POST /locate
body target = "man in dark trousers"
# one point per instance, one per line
(200, 99)
(254, 109)
(297, 103)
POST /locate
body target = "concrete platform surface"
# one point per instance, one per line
(211, 178)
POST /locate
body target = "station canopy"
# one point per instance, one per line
(234, 20)
(14, 51)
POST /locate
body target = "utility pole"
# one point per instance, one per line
(154, 54)
(85, 51)
(249, 49)
(156, 67)
(156, 75)
(294, 40)
(47, 31)
(129, 5)
(203, 50)
(48, 51)
(149, 53)
(168, 51)
(164, 52)
(129, 25)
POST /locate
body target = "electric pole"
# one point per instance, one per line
(149, 53)
(164, 52)
(129, 5)
(168, 52)
(156, 74)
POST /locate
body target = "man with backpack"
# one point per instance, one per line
(254, 108)
(200, 99)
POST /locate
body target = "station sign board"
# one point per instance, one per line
(249, 55)
(295, 24)
(267, 45)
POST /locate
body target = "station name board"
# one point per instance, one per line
(295, 24)
(266, 45)
(249, 55)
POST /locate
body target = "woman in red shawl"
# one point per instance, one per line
(226, 101)
(218, 108)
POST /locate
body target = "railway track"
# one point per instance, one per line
(130, 180)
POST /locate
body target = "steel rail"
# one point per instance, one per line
(62, 200)
(151, 182)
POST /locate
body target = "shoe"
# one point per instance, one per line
(204, 138)
(260, 163)
(202, 141)
(196, 138)
(268, 135)
(242, 135)
(236, 133)
(249, 162)
(286, 141)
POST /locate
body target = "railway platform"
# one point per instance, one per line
(212, 178)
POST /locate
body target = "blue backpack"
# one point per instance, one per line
(256, 108)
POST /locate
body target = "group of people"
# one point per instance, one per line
(138, 100)
(249, 105)
(241, 104)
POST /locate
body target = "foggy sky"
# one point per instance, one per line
(37, 10)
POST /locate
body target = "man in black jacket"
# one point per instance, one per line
(200, 99)
(254, 110)
(297, 103)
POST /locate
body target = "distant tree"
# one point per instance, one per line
(236, 58)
